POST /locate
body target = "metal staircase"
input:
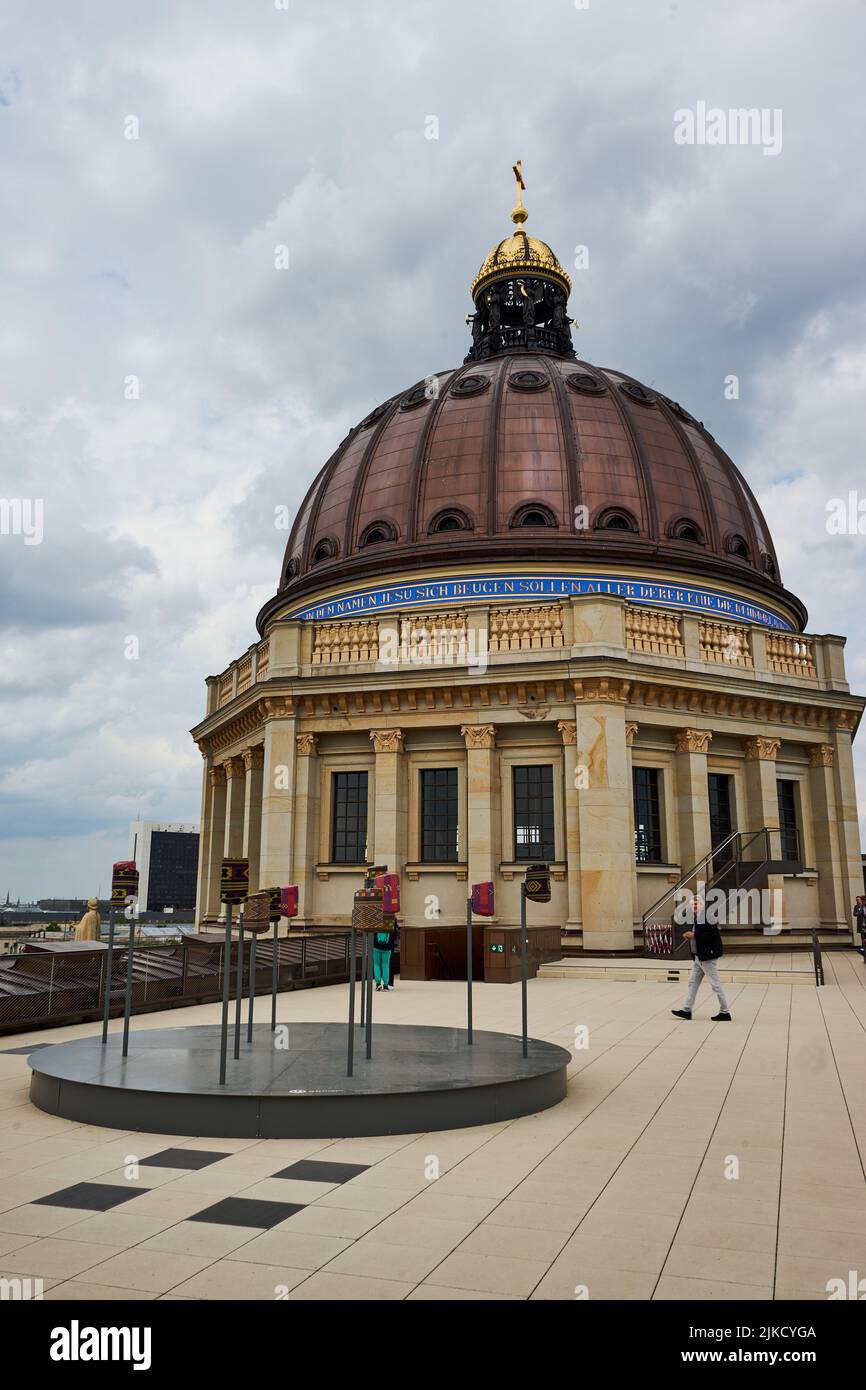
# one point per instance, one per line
(738, 864)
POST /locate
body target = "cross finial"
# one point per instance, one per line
(519, 215)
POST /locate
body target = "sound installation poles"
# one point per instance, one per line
(252, 987)
(523, 1002)
(106, 1003)
(127, 1002)
(369, 953)
(239, 986)
(469, 970)
(274, 979)
(227, 958)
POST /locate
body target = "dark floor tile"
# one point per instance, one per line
(183, 1158)
(91, 1196)
(312, 1170)
(247, 1211)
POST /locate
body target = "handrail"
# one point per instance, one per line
(672, 892)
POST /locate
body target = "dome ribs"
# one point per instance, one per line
(421, 455)
(363, 471)
(569, 440)
(644, 474)
(709, 518)
(494, 421)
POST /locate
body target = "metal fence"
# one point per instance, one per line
(47, 985)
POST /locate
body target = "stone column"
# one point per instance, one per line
(483, 799)
(278, 790)
(254, 762)
(692, 797)
(605, 818)
(825, 836)
(850, 866)
(573, 785)
(762, 806)
(389, 826)
(306, 826)
(211, 843)
(630, 731)
(233, 840)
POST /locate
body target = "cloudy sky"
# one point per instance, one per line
(145, 267)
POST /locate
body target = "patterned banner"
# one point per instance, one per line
(289, 901)
(390, 886)
(124, 882)
(367, 914)
(234, 880)
(482, 899)
(537, 883)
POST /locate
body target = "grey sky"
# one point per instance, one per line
(305, 126)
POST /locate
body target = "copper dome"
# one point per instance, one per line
(529, 456)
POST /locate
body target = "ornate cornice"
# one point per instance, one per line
(761, 749)
(479, 735)
(602, 689)
(307, 744)
(387, 740)
(693, 740)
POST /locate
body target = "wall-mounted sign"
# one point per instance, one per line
(649, 592)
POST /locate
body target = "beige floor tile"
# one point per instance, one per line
(79, 1291)
(332, 1288)
(606, 1285)
(847, 1247)
(12, 1241)
(585, 1254)
(331, 1221)
(287, 1190)
(201, 1238)
(57, 1259)
(115, 1228)
(378, 1199)
(294, 1249)
(35, 1220)
(514, 1242)
(232, 1280)
(404, 1263)
(155, 1271)
(435, 1293)
(487, 1273)
(727, 1266)
(697, 1229)
(537, 1216)
(679, 1289)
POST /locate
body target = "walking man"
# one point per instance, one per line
(705, 941)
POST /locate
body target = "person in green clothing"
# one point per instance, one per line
(383, 947)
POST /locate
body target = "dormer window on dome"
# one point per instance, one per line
(615, 519)
(377, 532)
(520, 295)
(532, 514)
(451, 520)
(736, 545)
(686, 530)
(325, 550)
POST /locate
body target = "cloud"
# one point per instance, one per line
(151, 261)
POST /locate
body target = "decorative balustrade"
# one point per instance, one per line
(534, 629)
(435, 639)
(338, 643)
(791, 656)
(727, 643)
(654, 630)
(245, 666)
(227, 689)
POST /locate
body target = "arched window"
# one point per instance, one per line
(615, 519)
(532, 514)
(769, 566)
(686, 530)
(736, 545)
(325, 550)
(377, 532)
(451, 520)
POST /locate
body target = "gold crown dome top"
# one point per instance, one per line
(519, 254)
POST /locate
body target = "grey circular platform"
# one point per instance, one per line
(418, 1079)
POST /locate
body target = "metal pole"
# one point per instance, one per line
(106, 1003)
(469, 970)
(363, 978)
(227, 959)
(239, 985)
(523, 967)
(127, 1002)
(369, 942)
(252, 988)
(350, 1057)
(274, 980)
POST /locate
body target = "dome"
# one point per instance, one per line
(524, 453)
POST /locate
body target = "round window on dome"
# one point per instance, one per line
(377, 532)
(325, 550)
(533, 515)
(738, 546)
(616, 519)
(687, 530)
(450, 520)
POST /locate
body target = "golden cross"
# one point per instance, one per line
(517, 170)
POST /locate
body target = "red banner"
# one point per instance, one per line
(482, 899)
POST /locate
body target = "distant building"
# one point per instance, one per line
(166, 855)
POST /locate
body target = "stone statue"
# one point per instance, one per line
(88, 928)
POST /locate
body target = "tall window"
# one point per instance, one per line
(647, 816)
(349, 824)
(786, 792)
(533, 813)
(439, 815)
(719, 788)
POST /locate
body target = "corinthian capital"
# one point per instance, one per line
(762, 749)
(387, 740)
(479, 735)
(693, 740)
(307, 744)
(821, 755)
(568, 729)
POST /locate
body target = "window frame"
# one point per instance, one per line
(545, 852)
